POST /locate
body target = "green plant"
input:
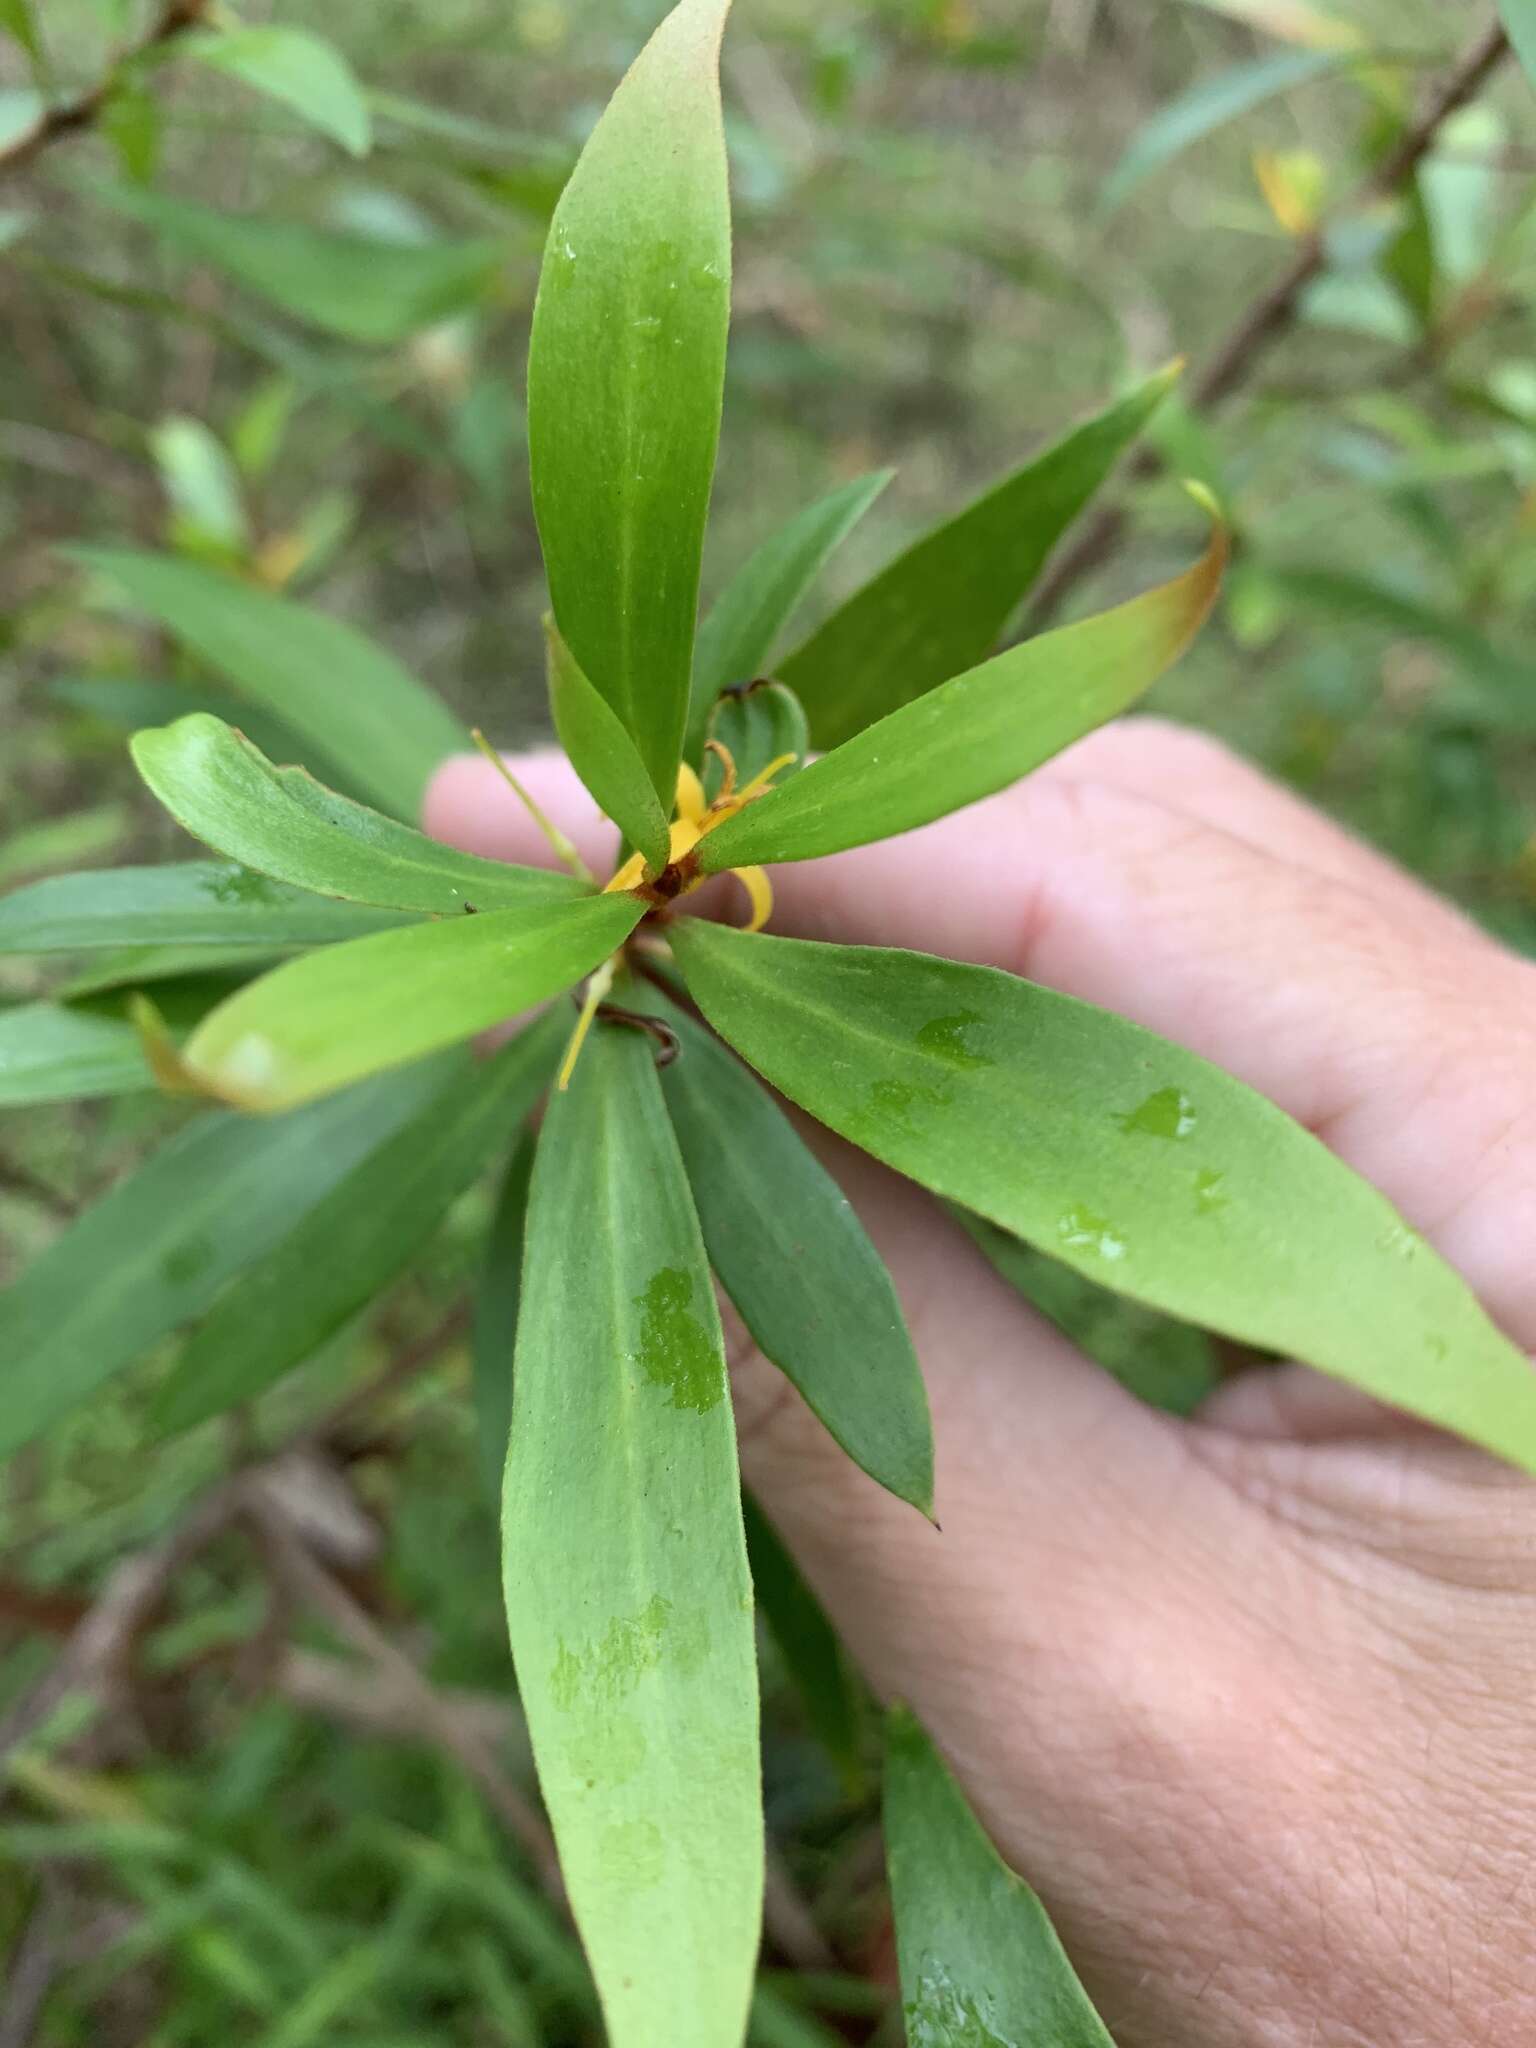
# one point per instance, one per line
(628, 1586)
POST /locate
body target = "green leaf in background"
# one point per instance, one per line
(281, 822)
(332, 1017)
(943, 604)
(16, 18)
(52, 1052)
(981, 1965)
(355, 1240)
(361, 288)
(757, 724)
(625, 372)
(1146, 1168)
(975, 734)
(743, 626)
(1519, 18)
(60, 842)
(794, 1258)
(1293, 21)
(628, 1596)
(156, 1251)
(303, 72)
(336, 688)
(496, 1313)
(815, 1660)
(603, 754)
(1167, 1364)
(130, 702)
(193, 903)
(1209, 106)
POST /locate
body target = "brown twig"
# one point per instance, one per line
(102, 1643)
(32, 1967)
(69, 117)
(1273, 313)
(433, 1715)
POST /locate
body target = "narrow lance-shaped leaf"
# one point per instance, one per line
(189, 904)
(798, 1264)
(155, 1252)
(332, 1017)
(53, 1052)
(1146, 1168)
(943, 604)
(626, 368)
(281, 822)
(355, 1240)
(603, 754)
(626, 1575)
(497, 1307)
(356, 286)
(743, 626)
(1209, 106)
(980, 1962)
(364, 710)
(976, 734)
(816, 1661)
(301, 71)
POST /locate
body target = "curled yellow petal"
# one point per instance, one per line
(630, 876)
(758, 887)
(691, 801)
(764, 776)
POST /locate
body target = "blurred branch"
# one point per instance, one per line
(1273, 313)
(103, 1642)
(69, 117)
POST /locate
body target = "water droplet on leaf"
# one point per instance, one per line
(1167, 1114)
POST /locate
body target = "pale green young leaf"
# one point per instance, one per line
(975, 734)
(1146, 1168)
(628, 1597)
(603, 754)
(743, 626)
(793, 1257)
(280, 822)
(817, 1664)
(942, 605)
(156, 1251)
(334, 1016)
(53, 1052)
(625, 373)
(335, 688)
(981, 1965)
(757, 726)
(201, 483)
(497, 1306)
(1209, 105)
(300, 70)
(355, 1240)
(362, 289)
(190, 904)
(1520, 26)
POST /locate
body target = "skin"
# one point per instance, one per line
(1247, 1698)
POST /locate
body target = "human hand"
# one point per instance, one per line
(1248, 1699)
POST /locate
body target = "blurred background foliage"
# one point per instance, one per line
(265, 305)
